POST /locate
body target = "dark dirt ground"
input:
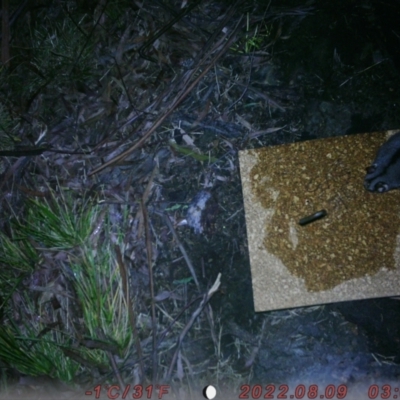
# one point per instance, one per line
(333, 70)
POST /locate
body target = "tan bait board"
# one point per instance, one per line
(352, 253)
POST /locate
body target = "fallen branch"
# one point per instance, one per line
(206, 299)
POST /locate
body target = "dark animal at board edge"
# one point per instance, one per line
(384, 173)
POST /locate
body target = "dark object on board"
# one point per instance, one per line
(384, 173)
(313, 217)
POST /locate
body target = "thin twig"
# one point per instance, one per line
(182, 249)
(363, 70)
(151, 284)
(205, 300)
(273, 103)
(114, 366)
(171, 23)
(131, 314)
(184, 93)
(246, 86)
(89, 36)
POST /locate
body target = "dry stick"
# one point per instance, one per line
(201, 57)
(151, 284)
(164, 333)
(210, 319)
(205, 300)
(273, 103)
(167, 329)
(191, 269)
(21, 162)
(129, 121)
(247, 84)
(256, 349)
(139, 214)
(131, 313)
(175, 104)
(171, 23)
(222, 51)
(182, 249)
(89, 36)
(121, 383)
